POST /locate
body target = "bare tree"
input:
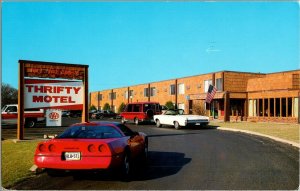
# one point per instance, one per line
(198, 109)
(9, 95)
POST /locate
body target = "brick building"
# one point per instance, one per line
(240, 95)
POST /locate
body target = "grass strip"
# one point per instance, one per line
(17, 158)
(281, 130)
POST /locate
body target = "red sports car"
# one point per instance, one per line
(93, 145)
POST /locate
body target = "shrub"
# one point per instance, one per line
(169, 105)
(106, 106)
(198, 109)
(92, 107)
(121, 107)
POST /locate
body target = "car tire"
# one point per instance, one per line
(123, 120)
(158, 124)
(150, 113)
(146, 149)
(176, 125)
(30, 123)
(126, 167)
(136, 121)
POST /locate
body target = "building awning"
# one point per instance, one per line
(218, 95)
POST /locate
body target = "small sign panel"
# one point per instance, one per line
(53, 117)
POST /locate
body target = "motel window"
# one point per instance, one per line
(126, 94)
(219, 84)
(271, 107)
(112, 95)
(131, 93)
(260, 107)
(283, 107)
(172, 89)
(277, 106)
(296, 107)
(152, 91)
(146, 92)
(250, 108)
(266, 108)
(206, 85)
(99, 97)
(289, 104)
(180, 88)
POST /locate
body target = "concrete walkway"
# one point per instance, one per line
(295, 144)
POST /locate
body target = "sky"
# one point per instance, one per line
(129, 43)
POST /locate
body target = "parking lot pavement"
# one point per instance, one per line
(193, 158)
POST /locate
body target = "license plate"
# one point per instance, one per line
(197, 124)
(72, 155)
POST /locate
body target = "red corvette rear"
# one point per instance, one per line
(92, 146)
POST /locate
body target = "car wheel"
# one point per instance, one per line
(146, 149)
(30, 123)
(123, 120)
(176, 125)
(136, 121)
(158, 124)
(126, 167)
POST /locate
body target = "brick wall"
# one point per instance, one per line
(237, 82)
(283, 80)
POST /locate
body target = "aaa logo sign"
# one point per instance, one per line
(53, 115)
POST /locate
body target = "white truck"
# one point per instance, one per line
(9, 115)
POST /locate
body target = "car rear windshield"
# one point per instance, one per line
(90, 132)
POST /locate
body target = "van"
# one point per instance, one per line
(140, 112)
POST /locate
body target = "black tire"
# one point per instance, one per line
(158, 124)
(145, 154)
(150, 113)
(126, 167)
(136, 121)
(30, 123)
(123, 120)
(176, 125)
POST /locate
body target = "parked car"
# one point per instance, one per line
(65, 113)
(179, 119)
(75, 113)
(140, 112)
(9, 115)
(104, 114)
(90, 146)
(91, 112)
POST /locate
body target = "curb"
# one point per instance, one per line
(263, 135)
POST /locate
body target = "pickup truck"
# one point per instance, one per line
(9, 115)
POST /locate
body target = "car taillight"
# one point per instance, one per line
(91, 148)
(51, 148)
(101, 148)
(42, 148)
